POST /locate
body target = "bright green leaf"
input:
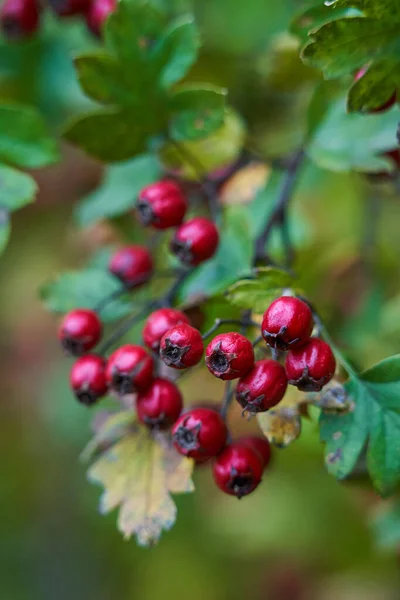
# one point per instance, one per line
(176, 51)
(258, 293)
(16, 189)
(196, 112)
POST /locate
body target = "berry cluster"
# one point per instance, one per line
(168, 337)
(20, 19)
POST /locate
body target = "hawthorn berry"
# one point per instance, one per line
(310, 367)
(229, 356)
(262, 387)
(97, 14)
(67, 8)
(199, 433)
(287, 323)
(133, 265)
(79, 331)
(195, 241)
(129, 369)
(159, 322)
(181, 347)
(88, 378)
(260, 444)
(238, 470)
(386, 105)
(19, 18)
(160, 405)
(161, 205)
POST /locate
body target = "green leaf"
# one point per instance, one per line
(16, 189)
(196, 112)
(258, 293)
(85, 289)
(386, 526)
(118, 192)
(373, 423)
(376, 87)
(316, 16)
(176, 51)
(5, 228)
(24, 139)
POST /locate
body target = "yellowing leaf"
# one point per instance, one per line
(281, 426)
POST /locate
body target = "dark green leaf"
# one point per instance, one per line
(16, 189)
(196, 112)
(258, 293)
(176, 51)
(376, 87)
(316, 16)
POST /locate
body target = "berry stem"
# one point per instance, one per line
(227, 399)
(107, 299)
(243, 323)
(125, 327)
(168, 299)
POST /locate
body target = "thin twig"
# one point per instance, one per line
(124, 328)
(228, 396)
(243, 323)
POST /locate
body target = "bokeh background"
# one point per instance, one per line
(302, 535)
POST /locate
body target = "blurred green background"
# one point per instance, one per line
(302, 535)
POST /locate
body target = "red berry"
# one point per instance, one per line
(133, 265)
(67, 8)
(160, 405)
(287, 323)
(158, 324)
(88, 378)
(97, 14)
(259, 444)
(199, 433)
(195, 241)
(386, 105)
(129, 370)
(262, 387)
(19, 18)
(311, 366)
(229, 356)
(181, 347)
(161, 205)
(80, 330)
(238, 470)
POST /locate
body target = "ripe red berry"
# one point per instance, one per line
(129, 370)
(311, 366)
(161, 205)
(287, 323)
(160, 405)
(19, 18)
(158, 324)
(199, 433)
(386, 105)
(195, 241)
(133, 265)
(262, 387)
(238, 470)
(229, 356)
(88, 378)
(97, 14)
(181, 347)
(259, 444)
(67, 8)
(80, 330)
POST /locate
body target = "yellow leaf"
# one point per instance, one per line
(281, 426)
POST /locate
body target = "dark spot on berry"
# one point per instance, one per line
(71, 347)
(182, 249)
(241, 484)
(145, 212)
(86, 397)
(122, 383)
(172, 354)
(219, 362)
(187, 438)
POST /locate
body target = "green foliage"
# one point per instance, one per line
(257, 293)
(386, 526)
(16, 189)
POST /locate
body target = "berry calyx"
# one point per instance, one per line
(129, 370)
(19, 18)
(160, 405)
(287, 323)
(229, 356)
(161, 205)
(133, 265)
(97, 14)
(386, 105)
(310, 367)
(88, 378)
(195, 241)
(79, 331)
(262, 387)
(237, 470)
(199, 433)
(259, 444)
(159, 322)
(67, 8)
(181, 347)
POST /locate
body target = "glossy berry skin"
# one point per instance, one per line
(97, 14)
(181, 347)
(310, 367)
(67, 8)
(159, 322)
(161, 205)
(19, 18)
(229, 356)
(262, 387)
(79, 331)
(133, 265)
(88, 378)
(129, 370)
(259, 444)
(287, 323)
(386, 105)
(160, 405)
(199, 433)
(238, 470)
(195, 241)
